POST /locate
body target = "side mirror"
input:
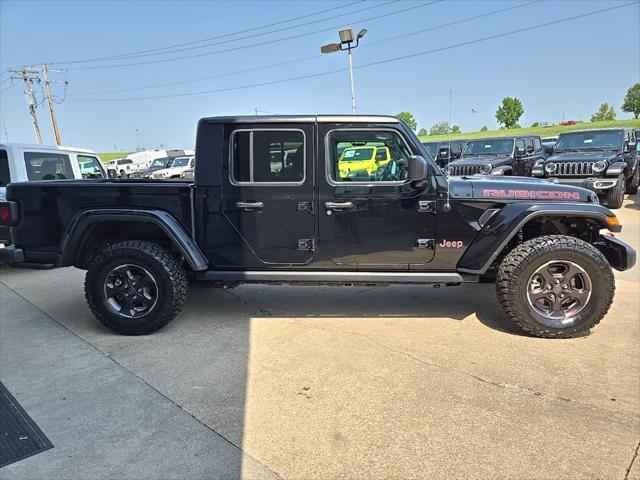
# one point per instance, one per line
(548, 149)
(530, 149)
(632, 146)
(443, 153)
(519, 151)
(417, 168)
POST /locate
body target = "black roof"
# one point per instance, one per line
(303, 119)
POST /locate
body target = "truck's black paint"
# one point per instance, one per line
(437, 230)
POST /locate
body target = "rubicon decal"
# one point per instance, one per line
(450, 244)
(531, 194)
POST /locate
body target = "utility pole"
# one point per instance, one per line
(28, 76)
(47, 84)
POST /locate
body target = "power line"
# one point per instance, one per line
(224, 35)
(371, 64)
(313, 57)
(266, 42)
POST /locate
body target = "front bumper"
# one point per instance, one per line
(619, 255)
(595, 184)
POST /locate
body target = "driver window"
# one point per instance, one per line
(367, 156)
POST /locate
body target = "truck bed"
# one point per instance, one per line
(48, 209)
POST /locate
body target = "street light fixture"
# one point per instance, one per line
(346, 43)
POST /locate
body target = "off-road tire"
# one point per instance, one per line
(634, 182)
(519, 265)
(615, 195)
(166, 269)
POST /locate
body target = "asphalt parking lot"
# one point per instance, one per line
(322, 382)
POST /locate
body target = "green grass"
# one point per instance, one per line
(542, 131)
(106, 157)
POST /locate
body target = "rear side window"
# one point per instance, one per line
(267, 156)
(47, 166)
(5, 176)
(90, 167)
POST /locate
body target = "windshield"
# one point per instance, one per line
(159, 163)
(181, 162)
(590, 141)
(355, 154)
(489, 147)
(432, 148)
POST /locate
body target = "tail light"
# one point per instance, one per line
(9, 214)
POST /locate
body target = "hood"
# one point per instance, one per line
(582, 157)
(494, 161)
(516, 188)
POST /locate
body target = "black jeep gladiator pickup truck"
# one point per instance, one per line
(498, 156)
(603, 160)
(271, 203)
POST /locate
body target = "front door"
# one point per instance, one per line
(267, 196)
(371, 218)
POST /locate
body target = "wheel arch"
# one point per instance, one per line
(502, 229)
(93, 228)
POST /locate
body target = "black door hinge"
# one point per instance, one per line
(425, 243)
(427, 206)
(306, 244)
(306, 207)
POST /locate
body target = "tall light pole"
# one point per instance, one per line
(346, 43)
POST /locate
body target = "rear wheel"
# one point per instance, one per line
(615, 195)
(135, 287)
(555, 286)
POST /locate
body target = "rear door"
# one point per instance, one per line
(267, 195)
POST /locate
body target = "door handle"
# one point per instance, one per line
(338, 205)
(248, 206)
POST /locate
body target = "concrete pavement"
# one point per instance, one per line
(324, 382)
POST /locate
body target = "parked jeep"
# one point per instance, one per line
(498, 156)
(249, 217)
(602, 160)
(157, 164)
(362, 160)
(445, 151)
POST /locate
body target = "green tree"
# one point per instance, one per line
(409, 119)
(484, 128)
(605, 113)
(632, 101)
(509, 112)
(440, 128)
(535, 124)
(423, 132)
(455, 129)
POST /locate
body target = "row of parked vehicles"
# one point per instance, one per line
(154, 164)
(605, 161)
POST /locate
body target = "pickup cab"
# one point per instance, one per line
(498, 156)
(22, 162)
(269, 205)
(603, 160)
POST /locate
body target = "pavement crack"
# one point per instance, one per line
(633, 459)
(260, 309)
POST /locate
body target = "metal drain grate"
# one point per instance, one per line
(20, 437)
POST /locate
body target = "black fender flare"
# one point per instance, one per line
(78, 226)
(498, 231)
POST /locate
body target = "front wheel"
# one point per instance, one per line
(555, 286)
(634, 182)
(135, 287)
(615, 195)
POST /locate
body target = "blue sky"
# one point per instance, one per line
(559, 71)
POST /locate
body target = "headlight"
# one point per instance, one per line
(550, 167)
(485, 169)
(599, 166)
(451, 170)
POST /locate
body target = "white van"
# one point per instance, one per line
(22, 162)
(143, 159)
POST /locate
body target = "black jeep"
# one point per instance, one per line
(604, 160)
(300, 217)
(498, 156)
(445, 151)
